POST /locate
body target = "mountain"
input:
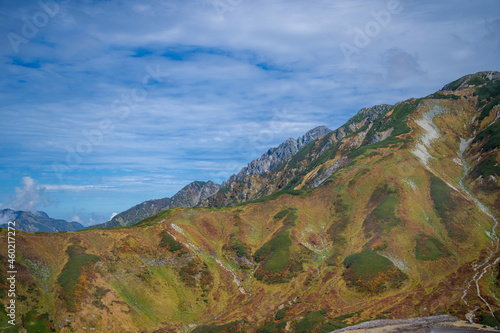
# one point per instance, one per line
(197, 193)
(278, 168)
(189, 196)
(35, 222)
(275, 156)
(393, 215)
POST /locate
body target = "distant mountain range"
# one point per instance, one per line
(189, 196)
(35, 222)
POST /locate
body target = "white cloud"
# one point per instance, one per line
(66, 187)
(28, 196)
(6, 217)
(76, 218)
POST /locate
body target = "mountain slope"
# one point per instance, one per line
(397, 218)
(198, 192)
(274, 156)
(253, 185)
(35, 222)
(189, 196)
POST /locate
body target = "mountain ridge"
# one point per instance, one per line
(274, 156)
(244, 187)
(189, 196)
(37, 221)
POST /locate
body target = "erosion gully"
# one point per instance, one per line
(482, 268)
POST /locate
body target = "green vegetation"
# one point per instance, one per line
(279, 243)
(277, 264)
(290, 218)
(98, 294)
(281, 313)
(239, 248)
(357, 176)
(317, 321)
(4, 322)
(36, 324)
(168, 242)
(189, 272)
(3, 282)
(336, 230)
(492, 133)
(369, 271)
(234, 327)
(397, 121)
(71, 275)
(275, 195)
(490, 90)
(273, 327)
(455, 84)
(439, 95)
(478, 80)
(445, 205)
(488, 319)
(154, 219)
(429, 248)
(383, 217)
(311, 323)
(486, 168)
(488, 107)
(281, 214)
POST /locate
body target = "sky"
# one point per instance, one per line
(106, 104)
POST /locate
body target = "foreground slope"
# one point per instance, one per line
(395, 219)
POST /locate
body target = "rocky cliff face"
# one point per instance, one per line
(274, 156)
(35, 222)
(277, 169)
(193, 193)
(189, 196)
(472, 80)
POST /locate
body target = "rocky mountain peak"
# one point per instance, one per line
(275, 156)
(472, 80)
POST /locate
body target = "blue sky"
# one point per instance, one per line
(105, 104)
